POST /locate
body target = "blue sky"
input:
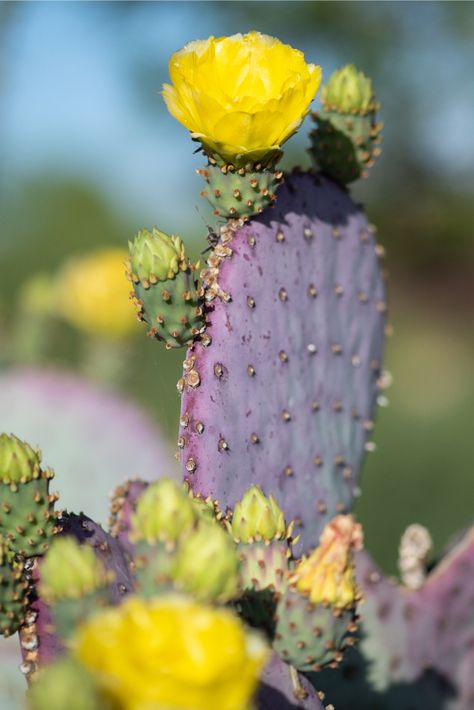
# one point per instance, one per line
(70, 103)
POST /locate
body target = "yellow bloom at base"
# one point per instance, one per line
(92, 293)
(172, 653)
(240, 95)
(327, 575)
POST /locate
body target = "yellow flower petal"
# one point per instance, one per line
(327, 575)
(247, 93)
(172, 653)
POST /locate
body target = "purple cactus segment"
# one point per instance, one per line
(286, 388)
(124, 500)
(408, 631)
(277, 691)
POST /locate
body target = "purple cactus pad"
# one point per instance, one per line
(281, 390)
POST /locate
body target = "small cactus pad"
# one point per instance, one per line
(27, 517)
(406, 631)
(264, 564)
(13, 592)
(66, 684)
(166, 290)
(285, 381)
(310, 636)
(344, 142)
(239, 193)
(284, 689)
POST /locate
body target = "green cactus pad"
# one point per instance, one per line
(13, 592)
(27, 517)
(264, 565)
(263, 575)
(344, 142)
(66, 684)
(167, 295)
(206, 564)
(239, 193)
(311, 636)
(152, 565)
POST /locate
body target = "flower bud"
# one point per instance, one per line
(164, 511)
(70, 571)
(327, 575)
(155, 256)
(206, 564)
(348, 91)
(257, 517)
(19, 463)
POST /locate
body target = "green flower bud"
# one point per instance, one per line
(207, 565)
(164, 511)
(66, 684)
(71, 571)
(257, 517)
(19, 463)
(205, 507)
(155, 256)
(348, 91)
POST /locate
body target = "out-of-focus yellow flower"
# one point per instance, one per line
(172, 653)
(92, 293)
(243, 95)
(327, 575)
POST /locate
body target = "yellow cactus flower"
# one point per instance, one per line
(92, 293)
(172, 652)
(327, 575)
(241, 96)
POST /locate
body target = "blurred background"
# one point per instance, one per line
(89, 154)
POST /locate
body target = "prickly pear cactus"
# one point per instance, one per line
(281, 389)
